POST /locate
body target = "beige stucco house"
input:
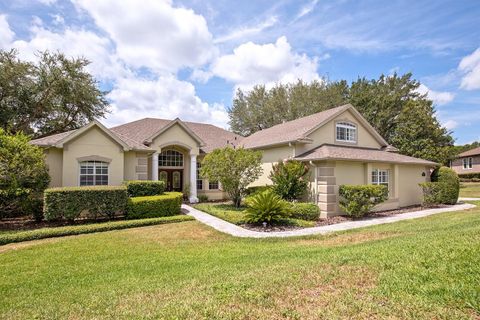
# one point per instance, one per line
(467, 163)
(339, 145)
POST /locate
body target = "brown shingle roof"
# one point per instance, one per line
(290, 131)
(51, 140)
(469, 153)
(334, 152)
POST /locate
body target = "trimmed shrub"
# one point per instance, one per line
(450, 185)
(257, 189)
(266, 207)
(87, 228)
(97, 201)
(143, 188)
(290, 179)
(358, 200)
(167, 204)
(470, 176)
(202, 198)
(305, 211)
(431, 193)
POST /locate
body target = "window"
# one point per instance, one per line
(213, 185)
(380, 177)
(467, 163)
(163, 176)
(346, 132)
(93, 173)
(199, 179)
(170, 158)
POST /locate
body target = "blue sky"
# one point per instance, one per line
(167, 59)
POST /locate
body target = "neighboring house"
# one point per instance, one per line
(467, 162)
(339, 145)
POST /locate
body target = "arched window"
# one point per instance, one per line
(170, 158)
(93, 173)
(346, 132)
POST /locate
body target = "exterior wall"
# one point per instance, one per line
(327, 134)
(94, 142)
(54, 161)
(410, 176)
(269, 157)
(457, 165)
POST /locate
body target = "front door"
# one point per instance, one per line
(173, 179)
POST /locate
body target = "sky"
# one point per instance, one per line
(167, 59)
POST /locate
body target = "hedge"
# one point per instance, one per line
(305, 211)
(143, 188)
(96, 201)
(358, 200)
(257, 189)
(164, 205)
(88, 228)
(444, 188)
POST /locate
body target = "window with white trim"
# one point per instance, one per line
(381, 177)
(93, 173)
(199, 178)
(170, 158)
(213, 185)
(467, 163)
(346, 132)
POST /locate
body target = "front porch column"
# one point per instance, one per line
(193, 178)
(155, 166)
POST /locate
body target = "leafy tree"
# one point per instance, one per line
(290, 179)
(235, 169)
(23, 175)
(55, 94)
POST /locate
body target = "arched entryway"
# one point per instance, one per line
(171, 162)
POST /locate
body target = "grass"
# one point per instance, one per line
(42, 233)
(425, 268)
(236, 216)
(470, 189)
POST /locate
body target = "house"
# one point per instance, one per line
(339, 145)
(467, 162)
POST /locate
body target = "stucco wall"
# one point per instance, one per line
(54, 161)
(327, 134)
(410, 176)
(93, 142)
(457, 166)
(130, 161)
(269, 157)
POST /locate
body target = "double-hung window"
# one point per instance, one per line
(346, 132)
(467, 163)
(199, 178)
(380, 177)
(213, 185)
(93, 173)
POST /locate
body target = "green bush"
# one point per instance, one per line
(87, 228)
(167, 204)
(450, 185)
(143, 188)
(97, 201)
(305, 211)
(257, 189)
(431, 193)
(290, 179)
(202, 198)
(266, 207)
(358, 200)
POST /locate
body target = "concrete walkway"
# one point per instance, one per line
(468, 199)
(236, 231)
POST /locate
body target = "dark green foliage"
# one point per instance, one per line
(23, 175)
(235, 169)
(202, 198)
(470, 176)
(257, 189)
(87, 228)
(266, 207)
(54, 95)
(142, 188)
(290, 179)
(358, 200)
(431, 193)
(444, 188)
(305, 211)
(97, 202)
(167, 204)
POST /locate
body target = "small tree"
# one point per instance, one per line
(235, 169)
(23, 175)
(290, 179)
(358, 200)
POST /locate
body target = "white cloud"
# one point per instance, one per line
(450, 124)
(152, 33)
(166, 97)
(306, 9)
(6, 34)
(470, 65)
(247, 31)
(267, 64)
(47, 2)
(438, 97)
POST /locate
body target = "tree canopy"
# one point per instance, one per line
(392, 104)
(53, 95)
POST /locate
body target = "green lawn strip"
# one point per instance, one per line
(419, 269)
(470, 189)
(10, 237)
(236, 216)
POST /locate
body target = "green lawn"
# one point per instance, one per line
(236, 216)
(470, 189)
(425, 268)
